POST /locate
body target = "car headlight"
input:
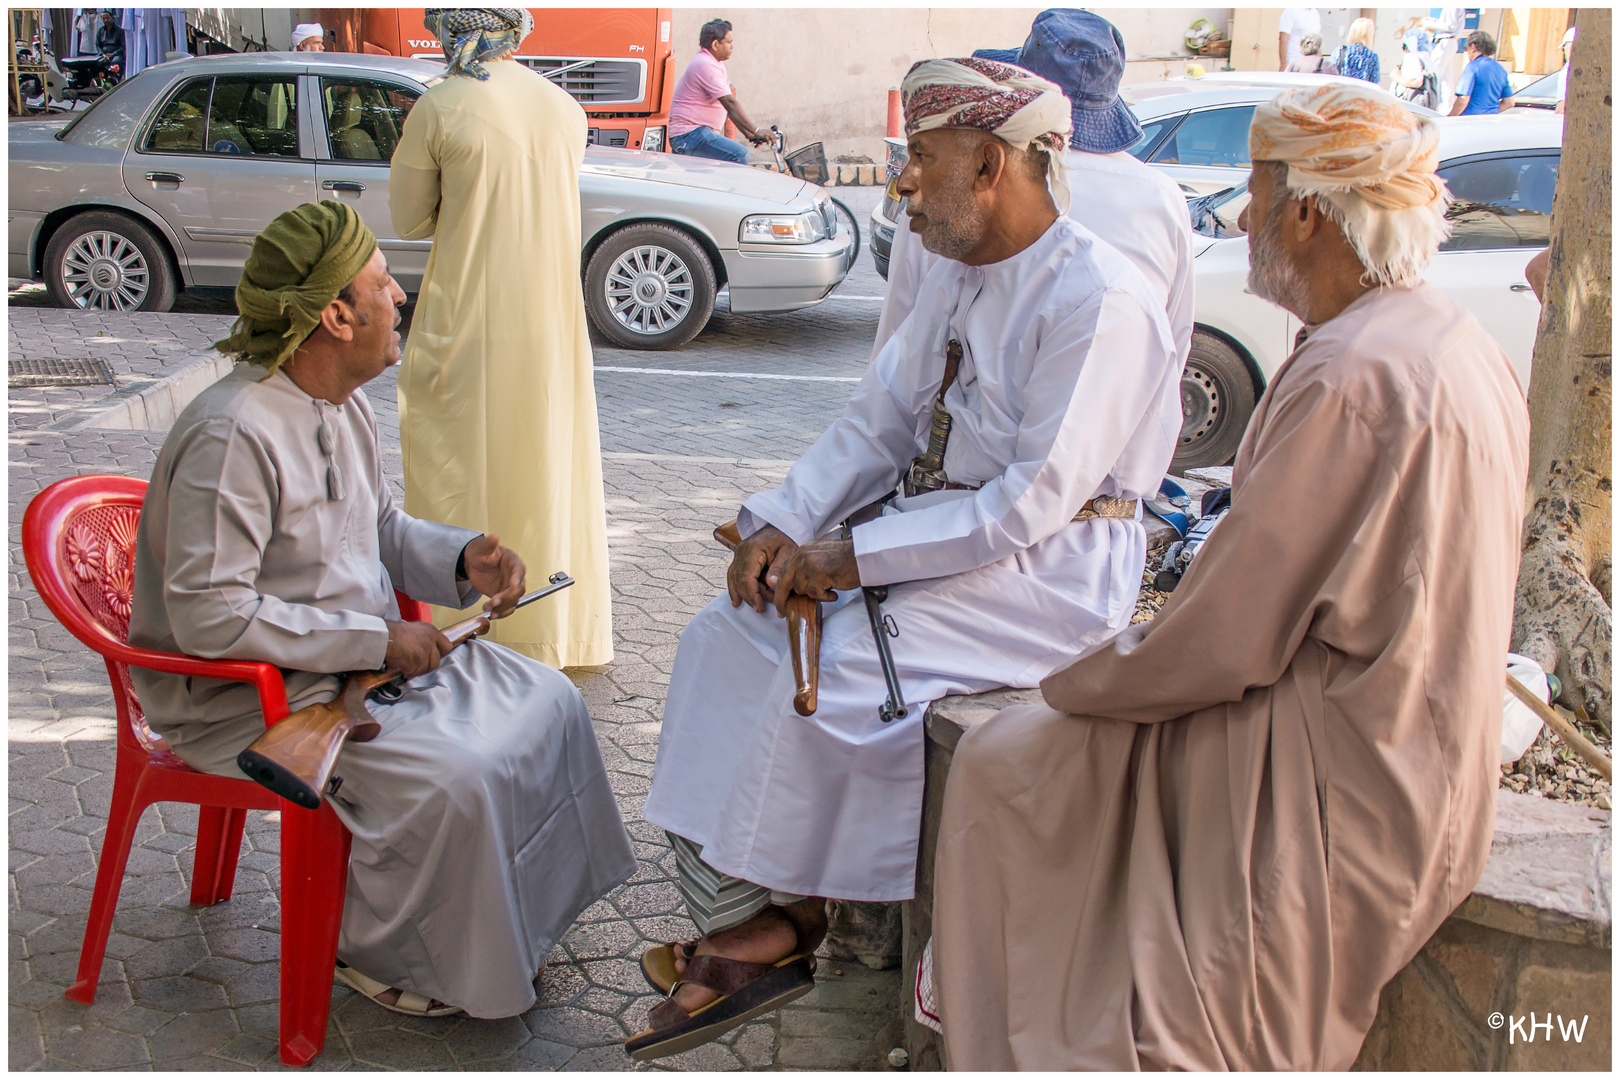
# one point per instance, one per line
(653, 139)
(782, 228)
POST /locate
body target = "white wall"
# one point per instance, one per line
(235, 26)
(824, 74)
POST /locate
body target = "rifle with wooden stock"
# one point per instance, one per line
(295, 758)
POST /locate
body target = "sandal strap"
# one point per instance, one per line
(722, 975)
(411, 1001)
(666, 1014)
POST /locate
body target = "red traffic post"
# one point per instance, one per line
(895, 117)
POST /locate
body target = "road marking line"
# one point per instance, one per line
(749, 462)
(729, 374)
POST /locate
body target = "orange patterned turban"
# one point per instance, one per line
(1349, 138)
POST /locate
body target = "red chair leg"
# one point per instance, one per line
(314, 874)
(219, 842)
(123, 815)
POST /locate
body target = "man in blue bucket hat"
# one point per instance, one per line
(1138, 210)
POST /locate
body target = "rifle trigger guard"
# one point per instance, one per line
(390, 691)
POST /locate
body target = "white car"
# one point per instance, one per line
(1501, 171)
(1196, 130)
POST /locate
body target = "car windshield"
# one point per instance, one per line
(1545, 87)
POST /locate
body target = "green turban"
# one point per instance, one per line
(299, 264)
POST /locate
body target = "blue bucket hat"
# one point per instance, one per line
(1084, 55)
(1000, 56)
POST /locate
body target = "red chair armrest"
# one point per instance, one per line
(266, 677)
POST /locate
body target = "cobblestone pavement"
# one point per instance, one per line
(195, 988)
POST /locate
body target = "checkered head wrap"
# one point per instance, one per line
(1022, 108)
(472, 35)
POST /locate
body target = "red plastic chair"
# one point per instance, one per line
(79, 544)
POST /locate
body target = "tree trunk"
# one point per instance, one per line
(1562, 617)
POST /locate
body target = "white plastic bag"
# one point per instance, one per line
(1520, 724)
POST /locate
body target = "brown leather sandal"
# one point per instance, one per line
(746, 991)
(658, 962)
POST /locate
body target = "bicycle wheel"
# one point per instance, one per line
(848, 217)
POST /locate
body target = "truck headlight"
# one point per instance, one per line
(653, 139)
(782, 228)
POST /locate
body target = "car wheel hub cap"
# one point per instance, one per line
(104, 271)
(649, 289)
(1200, 405)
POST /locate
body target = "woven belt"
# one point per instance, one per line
(1106, 506)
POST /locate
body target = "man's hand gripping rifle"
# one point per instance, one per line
(295, 758)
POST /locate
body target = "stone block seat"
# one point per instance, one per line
(1533, 938)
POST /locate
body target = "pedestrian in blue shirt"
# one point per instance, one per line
(1483, 88)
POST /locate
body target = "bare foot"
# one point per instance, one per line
(768, 937)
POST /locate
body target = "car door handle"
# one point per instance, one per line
(165, 178)
(354, 187)
(1522, 286)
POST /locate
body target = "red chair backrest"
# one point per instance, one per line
(79, 544)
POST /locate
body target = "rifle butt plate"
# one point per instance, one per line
(271, 775)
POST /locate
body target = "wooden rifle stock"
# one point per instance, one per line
(804, 634)
(295, 758)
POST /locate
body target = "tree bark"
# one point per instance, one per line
(1563, 615)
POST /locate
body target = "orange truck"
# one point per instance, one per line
(616, 62)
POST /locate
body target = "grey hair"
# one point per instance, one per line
(1393, 246)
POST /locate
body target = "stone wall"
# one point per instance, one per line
(1533, 938)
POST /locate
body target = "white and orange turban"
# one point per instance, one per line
(1022, 108)
(1364, 152)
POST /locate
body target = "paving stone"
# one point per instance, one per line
(400, 1050)
(486, 1040)
(98, 1048)
(601, 1059)
(175, 956)
(179, 994)
(544, 1054)
(193, 1034)
(755, 1045)
(248, 1049)
(573, 1027)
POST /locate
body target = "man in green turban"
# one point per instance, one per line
(482, 817)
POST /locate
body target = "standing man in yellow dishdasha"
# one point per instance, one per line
(497, 410)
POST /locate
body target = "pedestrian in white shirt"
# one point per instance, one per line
(1293, 24)
(1023, 550)
(1136, 209)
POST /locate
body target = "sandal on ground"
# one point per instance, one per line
(658, 962)
(409, 1003)
(747, 990)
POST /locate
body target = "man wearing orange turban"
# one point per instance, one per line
(1228, 828)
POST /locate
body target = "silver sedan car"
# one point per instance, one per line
(164, 182)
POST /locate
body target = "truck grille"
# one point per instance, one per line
(594, 82)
